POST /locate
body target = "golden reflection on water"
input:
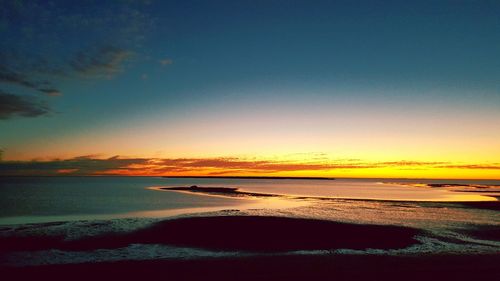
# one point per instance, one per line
(364, 191)
(469, 198)
(247, 203)
(371, 191)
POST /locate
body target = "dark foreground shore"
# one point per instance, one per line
(234, 233)
(269, 239)
(339, 267)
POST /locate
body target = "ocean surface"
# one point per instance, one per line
(48, 199)
(447, 211)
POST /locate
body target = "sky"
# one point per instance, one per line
(278, 88)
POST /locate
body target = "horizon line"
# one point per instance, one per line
(250, 177)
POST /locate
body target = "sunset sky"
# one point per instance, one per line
(268, 88)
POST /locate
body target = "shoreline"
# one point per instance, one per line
(269, 242)
(254, 234)
(264, 247)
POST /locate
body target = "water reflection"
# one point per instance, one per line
(352, 189)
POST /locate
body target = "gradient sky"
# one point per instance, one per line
(307, 88)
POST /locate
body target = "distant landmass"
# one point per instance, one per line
(250, 177)
(231, 191)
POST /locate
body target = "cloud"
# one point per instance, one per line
(13, 105)
(67, 171)
(474, 167)
(256, 166)
(90, 165)
(103, 62)
(83, 165)
(51, 92)
(40, 50)
(404, 163)
(116, 165)
(165, 62)
(10, 76)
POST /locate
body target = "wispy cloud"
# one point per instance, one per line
(18, 71)
(10, 76)
(103, 62)
(83, 165)
(405, 163)
(13, 106)
(25, 72)
(92, 165)
(474, 166)
(165, 62)
(256, 166)
(40, 52)
(51, 92)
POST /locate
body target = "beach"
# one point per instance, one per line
(230, 229)
(275, 243)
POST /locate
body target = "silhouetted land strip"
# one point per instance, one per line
(230, 191)
(236, 233)
(250, 177)
(478, 186)
(477, 191)
(276, 267)
(195, 188)
(488, 205)
(440, 185)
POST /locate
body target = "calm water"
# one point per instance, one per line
(45, 199)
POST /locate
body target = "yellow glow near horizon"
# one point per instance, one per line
(294, 135)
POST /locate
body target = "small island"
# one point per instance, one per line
(231, 191)
(195, 188)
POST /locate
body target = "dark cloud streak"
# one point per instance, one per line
(85, 165)
(10, 76)
(91, 165)
(13, 105)
(473, 167)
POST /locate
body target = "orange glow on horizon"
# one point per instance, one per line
(340, 169)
